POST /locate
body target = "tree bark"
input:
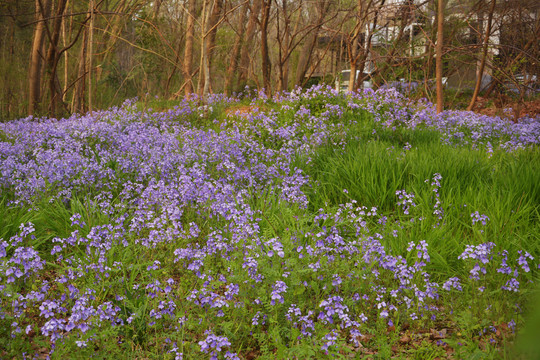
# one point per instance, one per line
(43, 8)
(212, 26)
(7, 87)
(90, 54)
(203, 84)
(210, 44)
(188, 50)
(283, 48)
(266, 64)
(53, 56)
(250, 33)
(480, 74)
(235, 52)
(353, 56)
(78, 103)
(65, 36)
(157, 5)
(367, 13)
(438, 59)
(204, 51)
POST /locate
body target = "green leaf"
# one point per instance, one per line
(315, 286)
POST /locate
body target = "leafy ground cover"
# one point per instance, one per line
(309, 225)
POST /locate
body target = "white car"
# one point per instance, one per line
(342, 80)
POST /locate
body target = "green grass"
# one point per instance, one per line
(369, 162)
(504, 187)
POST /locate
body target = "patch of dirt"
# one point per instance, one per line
(514, 110)
(242, 110)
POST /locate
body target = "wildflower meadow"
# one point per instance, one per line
(309, 225)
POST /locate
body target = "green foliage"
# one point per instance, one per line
(368, 161)
(371, 169)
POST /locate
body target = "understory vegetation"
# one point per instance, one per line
(313, 224)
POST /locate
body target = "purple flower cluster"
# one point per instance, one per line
(479, 218)
(437, 206)
(305, 322)
(24, 262)
(405, 200)
(278, 289)
(213, 344)
(480, 253)
(329, 339)
(161, 210)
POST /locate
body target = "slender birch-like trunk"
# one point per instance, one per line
(188, 50)
(43, 8)
(438, 58)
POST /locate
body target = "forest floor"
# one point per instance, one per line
(495, 107)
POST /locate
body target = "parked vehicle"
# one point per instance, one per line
(526, 83)
(342, 80)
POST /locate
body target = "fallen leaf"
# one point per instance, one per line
(366, 338)
(405, 339)
(438, 334)
(252, 355)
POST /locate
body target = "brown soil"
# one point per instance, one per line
(242, 110)
(496, 106)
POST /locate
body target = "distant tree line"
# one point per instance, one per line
(64, 56)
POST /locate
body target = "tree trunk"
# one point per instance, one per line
(429, 66)
(250, 33)
(213, 25)
(78, 103)
(90, 54)
(266, 65)
(7, 86)
(203, 51)
(235, 52)
(480, 74)
(283, 48)
(305, 57)
(36, 56)
(354, 50)
(157, 5)
(284, 63)
(201, 90)
(188, 50)
(53, 56)
(210, 40)
(65, 36)
(438, 59)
